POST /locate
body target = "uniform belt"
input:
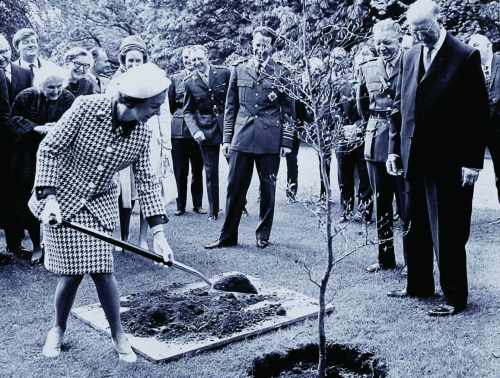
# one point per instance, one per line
(380, 113)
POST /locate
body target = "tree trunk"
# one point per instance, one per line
(322, 364)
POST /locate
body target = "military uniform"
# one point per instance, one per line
(184, 148)
(375, 96)
(493, 141)
(204, 111)
(349, 151)
(257, 123)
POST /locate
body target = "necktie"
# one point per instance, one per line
(487, 74)
(388, 68)
(428, 59)
(258, 67)
(32, 68)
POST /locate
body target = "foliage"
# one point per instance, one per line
(12, 16)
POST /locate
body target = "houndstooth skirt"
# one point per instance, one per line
(71, 252)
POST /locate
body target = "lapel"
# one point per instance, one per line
(495, 70)
(395, 68)
(267, 71)
(202, 83)
(441, 61)
(212, 73)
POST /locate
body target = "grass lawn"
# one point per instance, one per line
(398, 331)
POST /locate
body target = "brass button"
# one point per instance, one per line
(100, 168)
(109, 149)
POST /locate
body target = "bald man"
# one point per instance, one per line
(437, 133)
(490, 63)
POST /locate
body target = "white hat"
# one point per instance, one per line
(142, 82)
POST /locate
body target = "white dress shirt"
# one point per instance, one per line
(435, 49)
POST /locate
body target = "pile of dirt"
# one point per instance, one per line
(237, 282)
(195, 314)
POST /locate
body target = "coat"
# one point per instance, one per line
(82, 154)
(440, 115)
(176, 94)
(31, 109)
(494, 92)
(375, 94)
(83, 87)
(204, 104)
(258, 115)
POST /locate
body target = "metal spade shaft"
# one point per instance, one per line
(137, 250)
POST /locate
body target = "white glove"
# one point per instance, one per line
(199, 136)
(51, 212)
(161, 247)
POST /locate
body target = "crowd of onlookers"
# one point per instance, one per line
(234, 109)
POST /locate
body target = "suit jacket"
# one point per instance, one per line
(4, 105)
(440, 116)
(204, 104)
(81, 155)
(176, 94)
(21, 79)
(375, 93)
(494, 92)
(258, 116)
(83, 87)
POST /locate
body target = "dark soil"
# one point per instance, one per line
(195, 314)
(344, 361)
(237, 283)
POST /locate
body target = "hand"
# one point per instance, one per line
(44, 129)
(51, 212)
(161, 246)
(285, 151)
(469, 176)
(226, 149)
(199, 136)
(392, 165)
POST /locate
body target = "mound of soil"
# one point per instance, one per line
(195, 314)
(237, 283)
(344, 361)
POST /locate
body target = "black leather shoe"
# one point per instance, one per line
(37, 257)
(262, 243)
(445, 310)
(398, 293)
(179, 212)
(213, 218)
(5, 259)
(199, 210)
(19, 251)
(219, 244)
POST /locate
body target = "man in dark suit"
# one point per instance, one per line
(256, 129)
(185, 150)
(491, 68)
(375, 95)
(14, 79)
(25, 41)
(437, 138)
(204, 103)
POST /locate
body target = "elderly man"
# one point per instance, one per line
(255, 132)
(437, 136)
(25, 41)
(185, 150)
(491, 69)
(375, 95)
(204, 101)
(100, 70)
(14, 79)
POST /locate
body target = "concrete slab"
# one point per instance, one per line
(298, 308)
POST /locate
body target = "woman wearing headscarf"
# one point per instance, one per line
(133, 53)
(34, 113)
(76, 165)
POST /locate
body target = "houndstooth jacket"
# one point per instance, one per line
(81, 156)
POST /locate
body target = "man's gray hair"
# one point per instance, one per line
(201, 48)
(387, 26)
(47, 72)
(422, 10)
(479, 38)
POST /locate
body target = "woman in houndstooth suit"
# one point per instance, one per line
(77, 161)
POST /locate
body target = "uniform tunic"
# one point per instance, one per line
(79, 158)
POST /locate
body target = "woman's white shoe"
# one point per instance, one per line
(125, 352)
(53, 343)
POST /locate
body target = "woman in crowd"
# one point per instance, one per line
(133, 53)
(76, 166)
(34, 113)
(78, 62)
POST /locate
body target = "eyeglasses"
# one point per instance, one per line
(84, 66)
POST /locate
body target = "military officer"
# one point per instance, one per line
(184, 148)
(257, 128)
(375, 94)
(204, 102)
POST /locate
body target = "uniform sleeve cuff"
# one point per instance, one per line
(43, 192)
(155, 220)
